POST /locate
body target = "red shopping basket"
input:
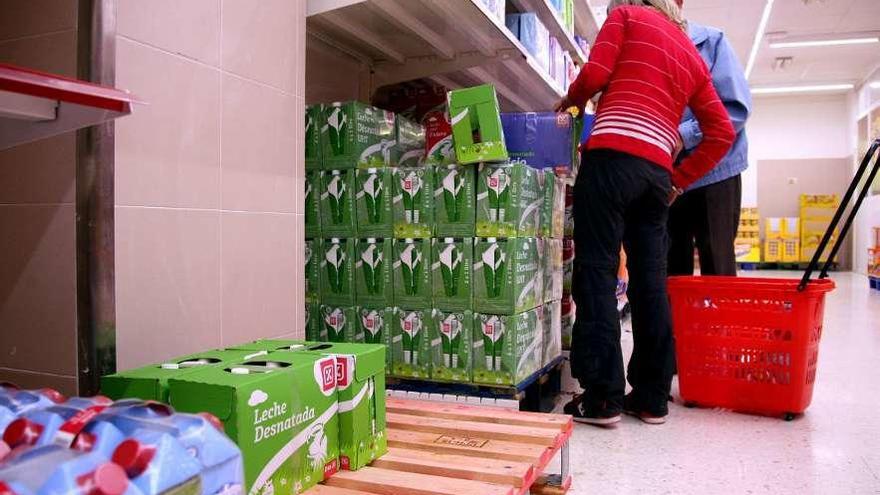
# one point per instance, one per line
(752, 344)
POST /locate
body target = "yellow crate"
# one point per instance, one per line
(773, 250)
(748, 253)
(774, 227)
(821, 200)
(791, 250)
(791, 228)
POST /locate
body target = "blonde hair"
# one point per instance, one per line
(668, 8)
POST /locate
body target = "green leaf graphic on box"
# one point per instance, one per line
(317, 452)
(334, 322)
(494, 268)
(411, 258)
(372, 260)
(373, 191)
(450, 332)
(411, 324)
(373, 323)
(411, 185)
(450, 268)
(493, 342)
(498, 184)
(452, 184)
(337, 126)
(336, 267)
(337, 192)
(441, 152)
(307, 254)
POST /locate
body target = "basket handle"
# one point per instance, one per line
(826, 238)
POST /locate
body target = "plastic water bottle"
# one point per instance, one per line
(53, 469)
(57, 424)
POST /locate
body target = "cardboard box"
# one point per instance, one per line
(315, 329)
(509, 201)
(340, 323)
(452, 273)
(508, 278)
(454, 200)
(791, 227)
(282, 413)
(557, 214)
(337, 204)
(375, 325)
(747, 252)
(373, 194)
(773, 250)
(373, 281)
(438, 139)
(546, 262)
(407, 146)
(547, 185)
(451, 337)
(272, 345)
(569, 315)
(151, 382)
(352, 137)
(413, 202)
(556, 267)
(552, 337)
(315, 120)
(313, 256)
(360, 388)
(542, 140)
(410, 344)
(411, 273)
(791, 250)
(313, 203)
(567, 265)
(507, 349)
(338, 257)
(474, 112)
(568, 223)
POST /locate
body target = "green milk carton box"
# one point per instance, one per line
(314, 123)
(553, 292)
(411, 270)
(552, 338)
(476, 125)
(337, 205)
(360, 385)
(451, 337)
(340, 323)
(410, 344)
(352, 137)
(508, 278)
(151, 382)
(337, 269)
(407, 147)
(373, 272)
(545, 262)
(509, 201)
(373, 202)
(272, 345)
(413, 202)
(313, 203)
(557, 214)
(312, 254)
(282, 413)
(452, 273)
(315, 330)
(375, 325)
(547, 183)
(454, 196)
(507, 349)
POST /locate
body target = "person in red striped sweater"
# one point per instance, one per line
(648, 71)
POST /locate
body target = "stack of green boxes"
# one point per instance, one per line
(299, 411)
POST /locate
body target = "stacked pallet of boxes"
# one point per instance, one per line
(874, 260)
(748, 236)
(816, 212)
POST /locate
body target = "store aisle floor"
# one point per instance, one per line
(833, 448)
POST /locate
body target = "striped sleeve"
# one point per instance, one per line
(596, 75)
(718, 136)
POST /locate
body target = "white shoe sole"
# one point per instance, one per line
(598, 421)
(647, 420)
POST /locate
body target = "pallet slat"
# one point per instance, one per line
(388, 482)
(516, 474)
(524, 434)
(474, 413)
(542, 486)
(332, 490)
(464, 446)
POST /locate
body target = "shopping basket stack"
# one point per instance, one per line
(752, 344)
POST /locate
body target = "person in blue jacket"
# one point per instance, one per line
(707, 215)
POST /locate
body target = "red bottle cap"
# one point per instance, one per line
(84, 441)
(101, 400)
(133, 457)
(109, 479)
(22, 432)
(5, 490)
(214, 420)
(53, 395)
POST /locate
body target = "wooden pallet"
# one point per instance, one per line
(440, 448)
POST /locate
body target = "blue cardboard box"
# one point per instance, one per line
(543, 140)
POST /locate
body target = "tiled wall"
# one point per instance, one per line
(209, 212)
(37, 213)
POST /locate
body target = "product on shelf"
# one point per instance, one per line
(816, 212)
(411, 268)
(55, 469)
(552, 338)
(543, 140)
(512, 347)
(373, 286)
(509, 200)
(340, 323)
(374, 190)
(338, 257)
(451, 336)
(557, 267)
(497, 8)
(452, 275)
(508, 278)
(748, 236)
(413, 202)
(375, 325)
(313, 256)
(312, 196)
(14, 402)
(439, 149)
(337, 204)
(351, 136)
(557, 62)
(315, 120)
(272, 345)
(532, 33)
(314, 325)
(405, 146)
(569, 314)
(282, 413)
(56, 424)
(568, 223)
(545, 263)
(476, 125)
(568, 248)
(410, 346)
(454, 195)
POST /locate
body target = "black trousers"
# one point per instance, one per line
(708, 219)
(621, 198)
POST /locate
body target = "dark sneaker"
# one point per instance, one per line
(572, 407)
(630, 408)
(598, 415)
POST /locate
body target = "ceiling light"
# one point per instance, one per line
(801, 89)
(875, 85)
(759, 36)
(830, 42)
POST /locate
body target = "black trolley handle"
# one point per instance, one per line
(826, 238)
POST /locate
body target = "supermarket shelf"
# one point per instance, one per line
(585, 21)
(35, 105)
(553, 21)
(460, 43)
